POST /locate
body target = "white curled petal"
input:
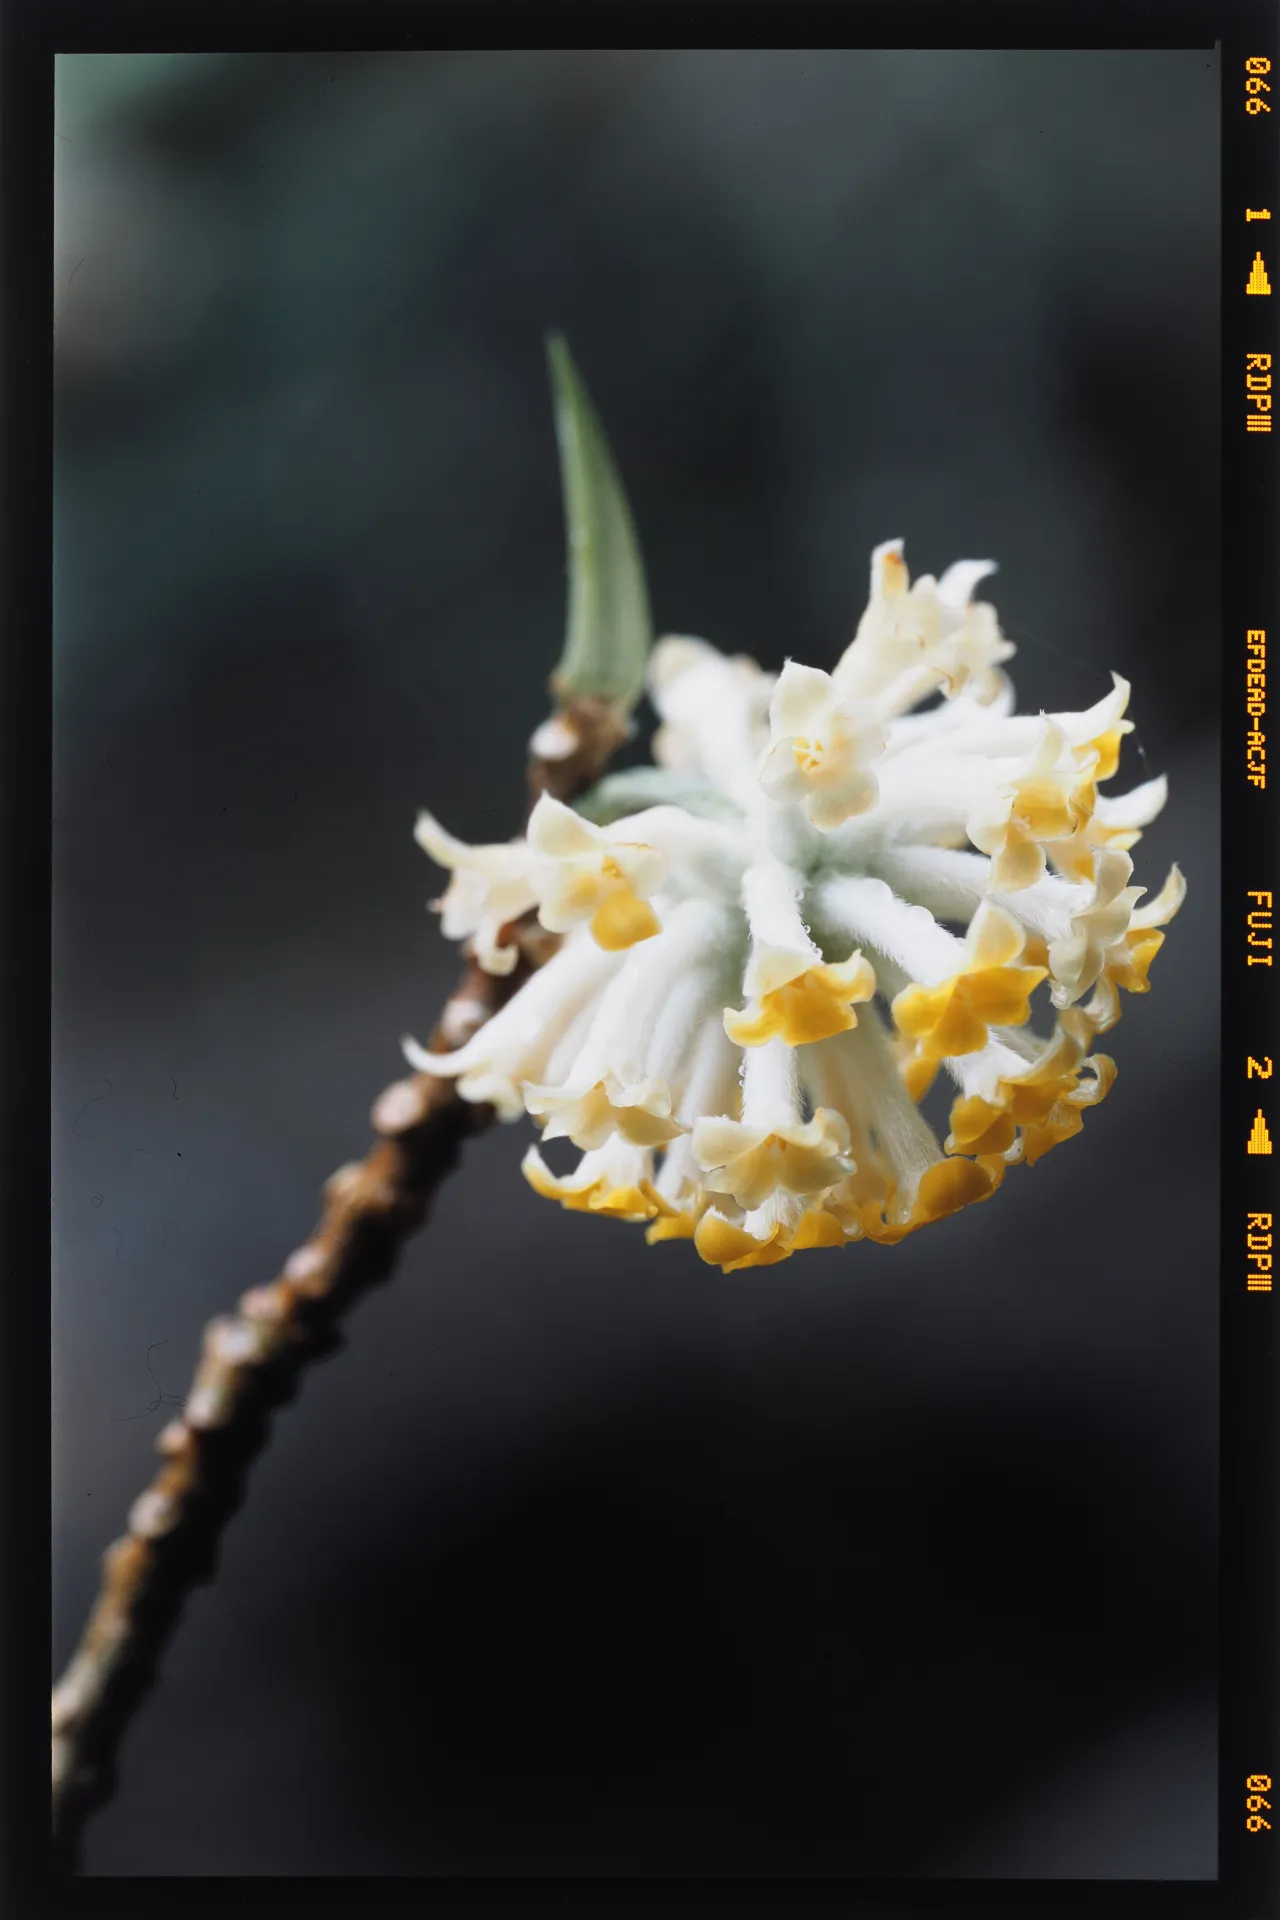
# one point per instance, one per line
(1105, 714)
(1137, 808)
(444, 848)
(802, 700)
(1159, 911)
(643, 868)
(780, 776)
(955, 588)
(489, 886)
(558, 832)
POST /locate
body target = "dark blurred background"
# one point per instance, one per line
(582, 1557)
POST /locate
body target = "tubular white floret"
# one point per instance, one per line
(754, 992)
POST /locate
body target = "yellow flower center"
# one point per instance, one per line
(809, 755)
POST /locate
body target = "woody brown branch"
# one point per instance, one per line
(252, 1356)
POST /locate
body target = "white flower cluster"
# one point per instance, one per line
(757, 986)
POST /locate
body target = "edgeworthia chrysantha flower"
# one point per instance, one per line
(762, 975)
(830, 890)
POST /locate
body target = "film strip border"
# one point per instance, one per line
(1249, 1749)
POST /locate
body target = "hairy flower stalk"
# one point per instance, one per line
(824, 895)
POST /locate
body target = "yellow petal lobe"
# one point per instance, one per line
(621, 920)
(672, 1226)
(953, 1018)
(1107, 748)
(731, 1248)
(818, 1228)
(815, 1006)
